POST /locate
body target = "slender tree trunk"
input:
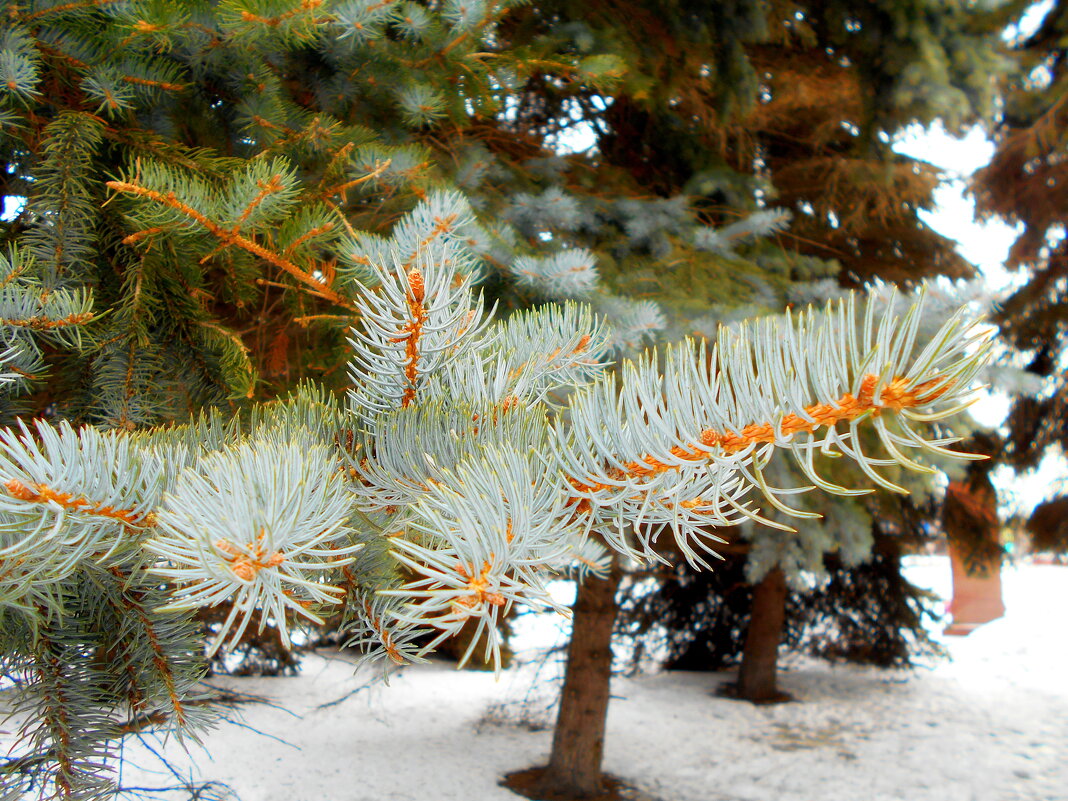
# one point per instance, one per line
(574, 769)
(756, 678)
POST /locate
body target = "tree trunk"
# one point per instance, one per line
(756, 678)
(574, 769)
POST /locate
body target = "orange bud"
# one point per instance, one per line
(416, 285)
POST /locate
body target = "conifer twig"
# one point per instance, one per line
(170, 87)
(274, 22)
(340, 189)
(41, 323)
(73, 6)
(894, 396)
(230, 237)
(412, 332)
(41, 493)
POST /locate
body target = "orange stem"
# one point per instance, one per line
(273, 22)
(412, 332)
(274, 184)
(232, 238)
(42, 493)
(68, 7)
(341, 188)
(44, 323)
(849, 407)
(170, 87)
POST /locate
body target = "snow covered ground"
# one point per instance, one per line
(991, 725)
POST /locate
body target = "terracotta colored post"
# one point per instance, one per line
(976, 595)
(971, 523)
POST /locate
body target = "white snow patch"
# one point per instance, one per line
(990, 725)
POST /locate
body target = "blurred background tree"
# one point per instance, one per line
(1025, 185)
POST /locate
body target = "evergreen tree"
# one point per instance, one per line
(745, 105)
(225, 198)
(1023, 184)
(865, 613)
(781, 111)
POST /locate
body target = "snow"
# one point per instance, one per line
(992, 724)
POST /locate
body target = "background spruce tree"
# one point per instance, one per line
(1024, 184)
(794, 106)
(218, 191)
(863, 613)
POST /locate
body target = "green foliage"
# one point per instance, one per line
(865, 613)
(227, 199)
(464, 488)
(1023, 184)
(64, 189)
(20, 65)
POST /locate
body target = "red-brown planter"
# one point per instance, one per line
(976, 593)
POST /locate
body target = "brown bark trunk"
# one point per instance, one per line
(756, 678)
(574, 769)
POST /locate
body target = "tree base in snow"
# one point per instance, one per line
(730, 690)
(529, 784)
